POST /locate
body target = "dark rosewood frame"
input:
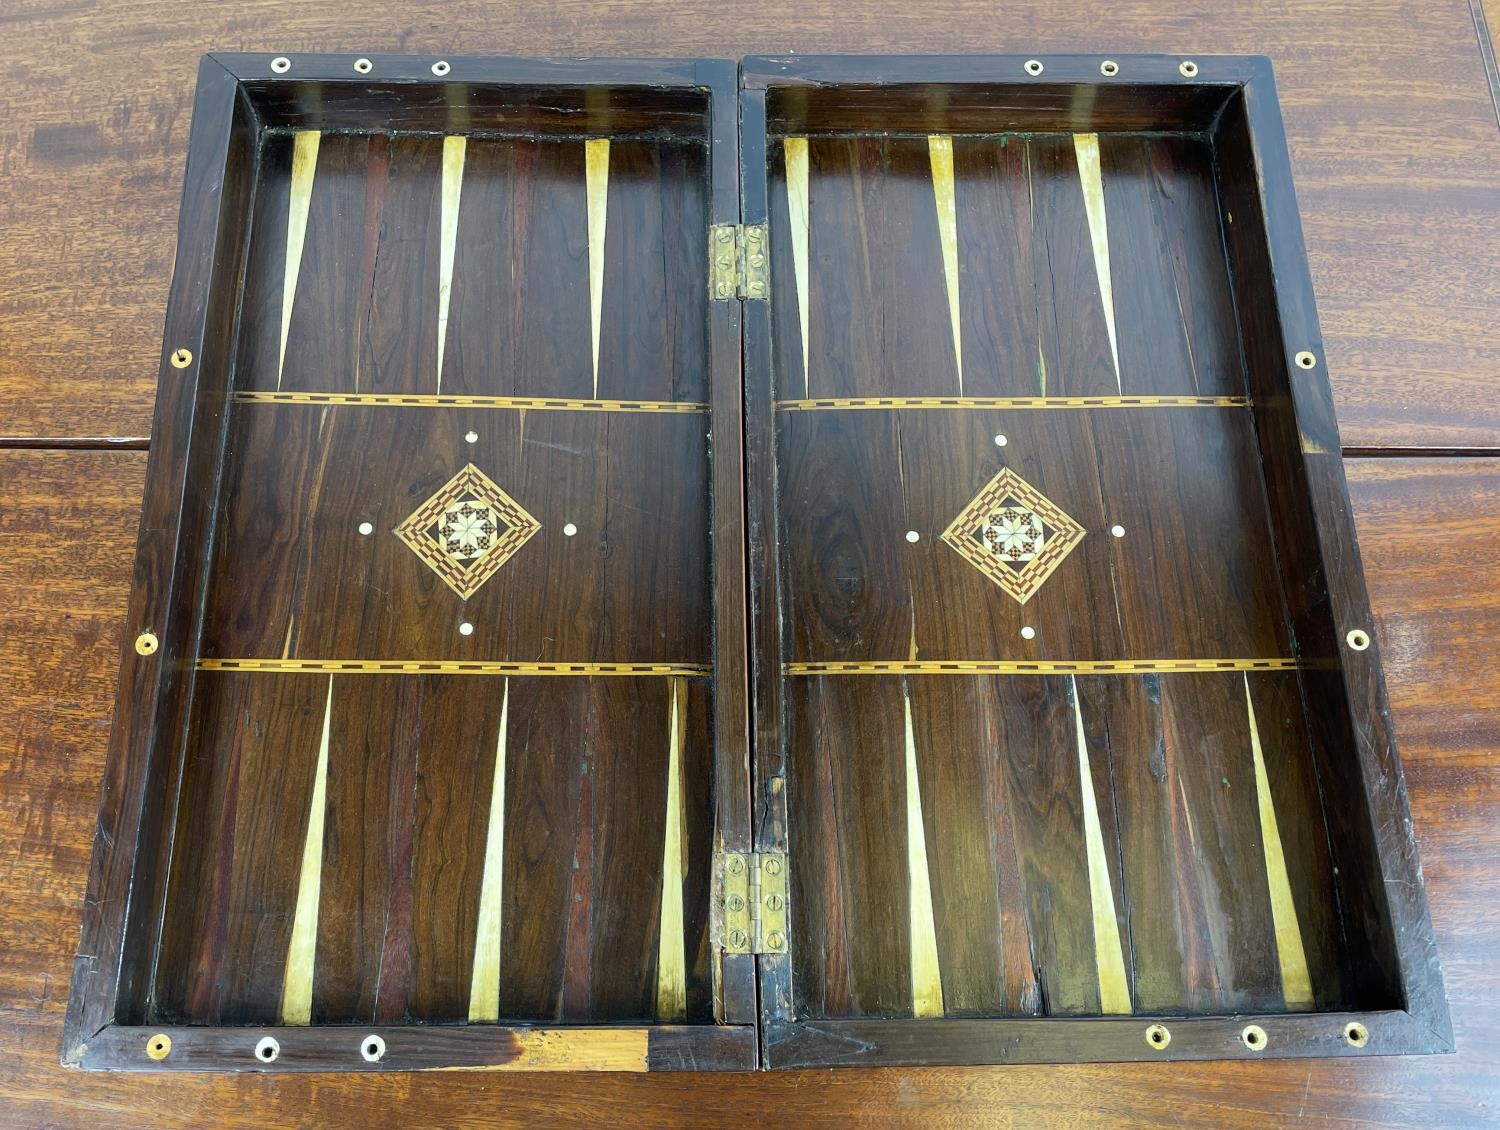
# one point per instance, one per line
(237, 96)
(1231, 99)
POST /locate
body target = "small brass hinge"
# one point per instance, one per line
(754, 885)
(739, 262)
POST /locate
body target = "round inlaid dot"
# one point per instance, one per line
(281, 64)
(372, 1049)
(913, 536)
(1117, 530)
(1001, 441)
(569, 530)
(363, 66)
(471, 437)
(366, 528)
(1187, 68)
(1033, 66)
(267, 1050)
(466, 629)
(1028, 632)
(440, 68)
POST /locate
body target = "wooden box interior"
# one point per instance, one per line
(428, 286)
(557, 644)
(1127, 787)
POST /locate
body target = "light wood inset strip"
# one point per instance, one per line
(940, 153)
(926, 975)
(798, 209)
(1086, 145)
(671, 961)
(422, 400)
(301, 956)
(1296, 983)
(484, 986)
(831, 403)
(453, 181)
(1109, 956)
(451, 667)
(304, 166)
(596, 175)
(1038, 666)
(571, 1049)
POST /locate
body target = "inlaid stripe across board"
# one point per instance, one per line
(1149, 884)
(458, 848)
(528, 267)
(1049, 264)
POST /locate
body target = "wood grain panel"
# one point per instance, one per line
(654, 331)
(457, 726)
(364, 920)
(364, 316)
(1427, 536)
(548, 718)
(996, 254)
(295, 577)
(1038, 755)
(1174, 307)
(243, 810)
(983, 945)
(519, 319)
(1184, 485)
(843, 528)
(851, 949)
(878, 308)
(1075, 348)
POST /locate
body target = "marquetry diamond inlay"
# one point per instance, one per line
(1013, 534)
(467, 530)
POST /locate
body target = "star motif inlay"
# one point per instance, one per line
(467, 530)
(1013, 534)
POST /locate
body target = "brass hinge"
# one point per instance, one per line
(739, 262)
(754, 885)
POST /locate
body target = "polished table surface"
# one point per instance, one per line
(1392, 118)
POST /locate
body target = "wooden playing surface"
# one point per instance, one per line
(1395, 144)
(1020, 497)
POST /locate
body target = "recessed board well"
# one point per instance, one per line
(1048, 752)
(449, 750)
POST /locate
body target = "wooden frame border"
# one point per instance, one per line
(1233, 99)
(237, 96)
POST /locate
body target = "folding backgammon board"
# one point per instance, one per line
(669, 564)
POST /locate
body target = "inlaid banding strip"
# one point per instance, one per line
(926, 974)
(1016, 402)
(1086, 145)
(596, 175)
(1040, 666)
(454, 149)
(301, 957)
(452, 667)
(421, 400)
(798, 209)
(1109, 956)
(1296, 983)
(940, 154)
(671, 960)
(304, 167)
(484, 985)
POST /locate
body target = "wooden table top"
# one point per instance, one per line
(1395, 136)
